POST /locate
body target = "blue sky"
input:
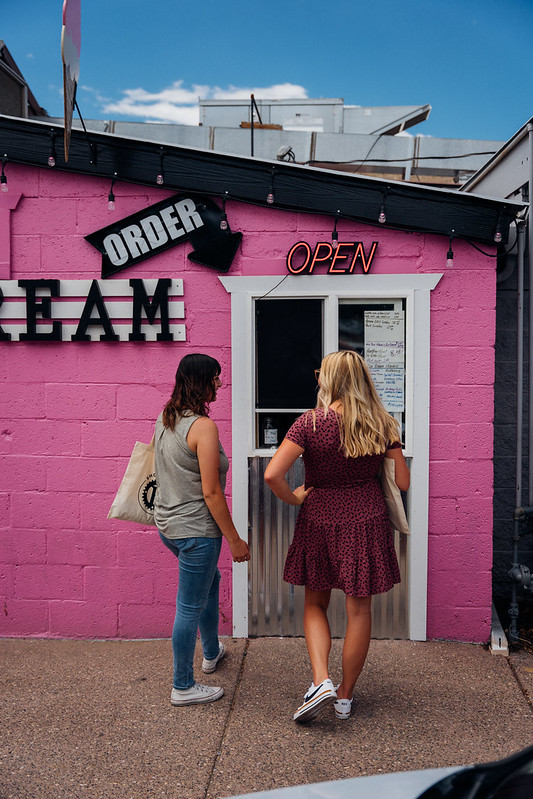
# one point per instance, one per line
(151, 59)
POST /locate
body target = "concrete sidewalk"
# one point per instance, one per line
(94, 720)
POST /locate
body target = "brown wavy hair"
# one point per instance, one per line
(366, 428)
(194, 388)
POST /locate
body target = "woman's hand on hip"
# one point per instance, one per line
(301, 493)
(239, 550)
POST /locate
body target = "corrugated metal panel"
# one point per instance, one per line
(275, 607)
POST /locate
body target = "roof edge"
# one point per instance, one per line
(295, 187)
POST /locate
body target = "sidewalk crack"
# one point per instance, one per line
(523, 688)
(226, 724)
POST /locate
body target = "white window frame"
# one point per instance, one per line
(415, 289)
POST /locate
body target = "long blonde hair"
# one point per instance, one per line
(365, 426)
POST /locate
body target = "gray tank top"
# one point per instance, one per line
(180, 510)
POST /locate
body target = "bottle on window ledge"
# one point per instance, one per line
(270, 434)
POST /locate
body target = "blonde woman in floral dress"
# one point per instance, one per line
(343, 538)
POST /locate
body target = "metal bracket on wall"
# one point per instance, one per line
(498, 639)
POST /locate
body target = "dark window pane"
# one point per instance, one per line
(272, 427)
(288, 349)
(352, 324)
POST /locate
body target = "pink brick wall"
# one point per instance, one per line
(71, 412)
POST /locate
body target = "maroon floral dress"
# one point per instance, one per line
(343, 537)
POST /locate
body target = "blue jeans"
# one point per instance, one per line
(196, 603)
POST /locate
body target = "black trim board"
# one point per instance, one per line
(295, 187)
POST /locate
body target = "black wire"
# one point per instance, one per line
(488, 254)
(89, 142)
(398, 160)
(254, 105)
(274, 287)
(378, 226)
(365, 159)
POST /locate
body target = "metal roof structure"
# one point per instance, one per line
(416, 159)
(509, 169)
(294, 187)
(326, 115)
(322, 132)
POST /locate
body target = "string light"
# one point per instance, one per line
(334, 234)
(160, 179)
(382, 217)
(224, 219)
(111, 196)
(498, 230)
(3, 179)
(449, 254)
(270, 195)
(52, 151)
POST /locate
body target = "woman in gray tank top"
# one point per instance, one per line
(192, 515)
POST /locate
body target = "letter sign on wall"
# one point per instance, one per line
(163, 225)
(86, 310)
(339, 260)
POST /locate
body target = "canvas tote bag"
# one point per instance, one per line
(393, 497)
(135, 497)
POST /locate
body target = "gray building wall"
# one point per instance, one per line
(505, 401)
(507, 175)
(13, 96)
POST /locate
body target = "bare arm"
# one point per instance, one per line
(203, 439)
(278, 467)
(402, 478)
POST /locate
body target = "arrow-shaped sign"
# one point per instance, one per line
(167, 223)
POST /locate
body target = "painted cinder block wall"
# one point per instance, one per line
(70, 413)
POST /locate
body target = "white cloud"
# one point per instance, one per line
(280, 91)
(155, 112)
(98, 98)
(179, 104)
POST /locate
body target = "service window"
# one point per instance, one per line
(289, 346)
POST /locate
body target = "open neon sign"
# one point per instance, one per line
(341, 260)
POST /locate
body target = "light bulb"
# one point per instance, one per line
(270, 198)
(51, 160)
(3, 182)
(382, 218)
(498, 236)
(449, 258)
(111, 196)
(224, 222)
(160, 179)
(335, 239)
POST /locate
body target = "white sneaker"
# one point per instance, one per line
(196, 694)
(343, 708)
(315, 700)
(208, 666)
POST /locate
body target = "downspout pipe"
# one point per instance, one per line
(519, 573)
(515, 567)
(530, 289)
(252, 125)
